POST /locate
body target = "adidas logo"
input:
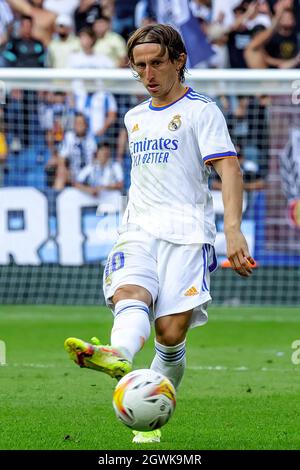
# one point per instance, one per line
(191, 291)
(135, 128)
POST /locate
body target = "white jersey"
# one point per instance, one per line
(170, 147)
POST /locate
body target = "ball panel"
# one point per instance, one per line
(144, 400)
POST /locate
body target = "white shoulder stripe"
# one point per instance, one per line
(196, 98)
(199, 95)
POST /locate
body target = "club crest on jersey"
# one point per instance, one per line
(175, 123)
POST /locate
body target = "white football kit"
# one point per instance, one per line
(168, 229)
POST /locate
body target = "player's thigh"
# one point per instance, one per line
(132, 291)
(172, 329)
(131, 265)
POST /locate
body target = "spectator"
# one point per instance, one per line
(6, 18)
(76, 152)
(257, 141)
(216, 35)
(276, 46)
(253, 53)
(108, 7)
(64, 44)
(87, 58)
(99, 108)
(222, 12)
(43, 20)
(109, 43)
(247, 17)
(125, 102)
(283, 45)
(21, 120)
(237, 117)
(55, 118)
(180, 16)
(123, 19)
(62, 7)
(142, 14)
(86, 14)
(16, 121)
(289, 4)
(3, 149)
(248, 124)
(252, 177)
(253, 182)
(103, 177)
(25, 51)
(201, 8)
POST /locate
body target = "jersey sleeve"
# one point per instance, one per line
(212, 135)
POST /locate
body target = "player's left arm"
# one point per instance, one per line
(232, 192)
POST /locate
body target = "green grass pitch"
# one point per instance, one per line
(240, 391)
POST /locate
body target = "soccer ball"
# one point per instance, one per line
(144, 400)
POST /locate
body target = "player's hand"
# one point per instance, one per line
(238, 253)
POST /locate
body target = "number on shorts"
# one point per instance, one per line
(115, 263)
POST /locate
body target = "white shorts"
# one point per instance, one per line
(177, 276)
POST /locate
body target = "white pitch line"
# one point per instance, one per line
(243, 369)
(217, 368)
(33, 365)
(253, 319)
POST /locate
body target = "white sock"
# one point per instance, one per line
(170, 361)
(131, 326)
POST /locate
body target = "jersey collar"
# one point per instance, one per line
(160, 108)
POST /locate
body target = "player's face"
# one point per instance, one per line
(157, 73)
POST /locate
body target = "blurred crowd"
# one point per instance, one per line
(52, 139)
(92, 33)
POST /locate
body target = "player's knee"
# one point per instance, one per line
(171, 330)
(132, 292)
(170, 337)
